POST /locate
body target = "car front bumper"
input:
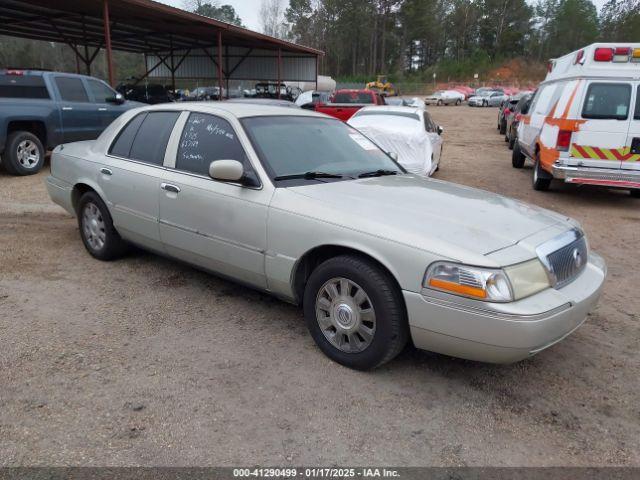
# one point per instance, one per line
(507, 332)
(607, 177)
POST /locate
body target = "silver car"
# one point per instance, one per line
(487, 99)
(325, 219)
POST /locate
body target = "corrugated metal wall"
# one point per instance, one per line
(258, 65)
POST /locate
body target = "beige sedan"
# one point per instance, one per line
(307, 208)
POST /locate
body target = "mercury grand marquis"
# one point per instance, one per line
(305, 207)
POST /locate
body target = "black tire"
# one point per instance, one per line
(391, 328)
(635, 193)
(458, 102)
(512, 140)
(113, 246)
(541, 179)
(517, 157)
(439, 104)
(16, 159)
(503, 127)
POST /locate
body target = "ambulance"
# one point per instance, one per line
(583, 125)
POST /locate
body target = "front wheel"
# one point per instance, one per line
(503, 128)
(517, 157)
(541, 178)
(355, 312)
(99, 236)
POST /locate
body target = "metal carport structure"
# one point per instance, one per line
(175, 43)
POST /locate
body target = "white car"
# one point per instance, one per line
(407, 132)
(445, 97)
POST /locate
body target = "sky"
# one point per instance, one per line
(248, 9)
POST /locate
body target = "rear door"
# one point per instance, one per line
(631, 159)
(606, 112)
(131, 176)
(80, 119)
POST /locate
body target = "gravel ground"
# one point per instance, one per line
(146, 361)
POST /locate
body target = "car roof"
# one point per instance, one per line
(391, 109)
(239, 110)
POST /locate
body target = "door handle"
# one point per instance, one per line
(106, 171)
(66, 109)
(170, 188)
(102, 109)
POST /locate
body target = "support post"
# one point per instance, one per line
(107, 41)
(279, 71)
(173, 67)
(220, 65)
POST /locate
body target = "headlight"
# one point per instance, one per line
(487, 284)
(527, 278)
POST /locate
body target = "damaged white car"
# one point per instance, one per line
(408, 133)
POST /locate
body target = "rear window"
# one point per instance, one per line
(353, 97)
(607, 101)
(18, 86)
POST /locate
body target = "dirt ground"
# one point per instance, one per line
(145, 361)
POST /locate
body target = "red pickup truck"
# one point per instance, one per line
(345, 103)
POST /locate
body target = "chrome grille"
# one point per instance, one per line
(564, 257)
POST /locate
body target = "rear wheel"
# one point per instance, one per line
(541, 178)
(503, 128)
(512, 140)
(23, 154)
(517, 157)
(355, 312)
(99, 236)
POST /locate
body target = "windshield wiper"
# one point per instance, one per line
(308, 176)
(378, 173)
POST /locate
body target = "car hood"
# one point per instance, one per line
(433, 215)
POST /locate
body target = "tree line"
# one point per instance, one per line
(410, 37)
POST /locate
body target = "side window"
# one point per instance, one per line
(636, 115)
(101, 93)
(428, 123)
(151, 140)
(122, 145)
(207, 138)
(71, 89)
(543, 100)
(607, 101)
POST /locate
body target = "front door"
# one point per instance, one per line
(102, 97)
(80, 119)
(217, 225)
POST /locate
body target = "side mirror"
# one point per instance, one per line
(118, 99)
(394, 155)
(440, 130)
(226, 170)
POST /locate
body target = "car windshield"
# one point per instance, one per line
(353, 97)
(292, 145)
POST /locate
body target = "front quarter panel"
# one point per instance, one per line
(298, 225)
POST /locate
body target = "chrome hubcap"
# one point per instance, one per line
(93, 226)
(345, 315)
(28, 154)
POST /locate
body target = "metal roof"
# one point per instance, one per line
(139, 26)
